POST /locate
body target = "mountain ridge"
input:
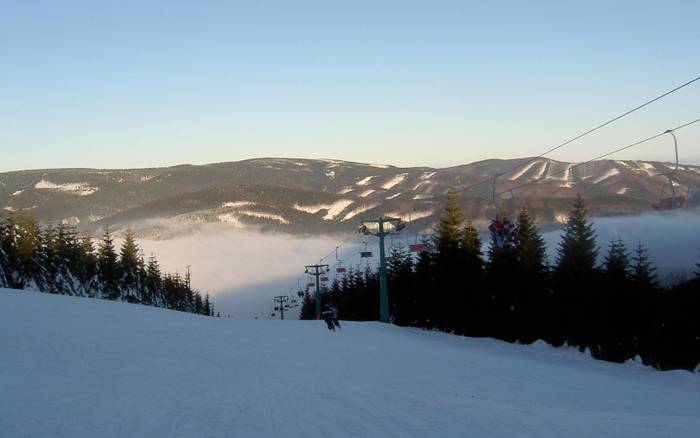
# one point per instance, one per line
(300, 195)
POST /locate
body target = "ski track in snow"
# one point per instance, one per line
(398, 179)
(333, 209)
(83, 367)
(609, 174)
(524, 170)
(365, 181)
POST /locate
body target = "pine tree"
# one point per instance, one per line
(644, 310)
(51, 262)
(5, 245)
(643, 272)
(68, 258)
(154, 283)
(308, 307)
(475, 296)
(129, 262)
(87, 266)
(532, 307)
(575, 280)
(107, 267)
(28, 253)
(614, 337)
(449, 230)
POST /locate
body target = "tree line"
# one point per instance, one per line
(617, 310)
(57, 259)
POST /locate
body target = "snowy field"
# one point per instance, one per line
(78, 367)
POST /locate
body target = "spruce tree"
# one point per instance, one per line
(575, 280)
(533, 307)
(448, 303)
(154, 283)
(644, 310)
(5, 245)
(613, 338)
(129, 263)
(449, 229)
(107, 267)
(87, 266)
(28, 253)
(472, 271)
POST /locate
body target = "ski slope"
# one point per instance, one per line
(79, 367)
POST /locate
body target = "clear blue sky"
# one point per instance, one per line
(147, 83)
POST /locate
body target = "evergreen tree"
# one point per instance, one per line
(402, 293)
(449, 230)
(614, 337)
(107, 267)
(575, 280)
(308, 307)
(51, 262)
(643, 272)
(502, 289)
(129, 266)
(154, 283)
(68, 259)
(532, 307)
(27, 253)
(449, 300)
(475, 299)
(87, 266)
(5, 247)
(644, 309)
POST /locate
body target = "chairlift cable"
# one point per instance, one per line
(600, 157)
(590, 131)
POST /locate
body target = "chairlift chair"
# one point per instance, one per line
(674, 202)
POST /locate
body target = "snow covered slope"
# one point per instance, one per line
(79, 367)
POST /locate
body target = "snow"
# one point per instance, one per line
(329, 173)
(345, 190)
(422, 196)
(393, 196)
(261, 215)
(83, 367)
(359, 210)
(366, 193)
(523, 171)
(398, 179)
(234, 218)
(648, 168)
(543, 169)
(18, 192)
(365, 181)
(9, 208)
(566, 178)
(413, 216)
(623, 190)
(609, 174)
(379, 166)
(420, 184)
(230, 218)
(237, 204)
(80, 189)
(561, 217)
(333, 209)
(72, 220)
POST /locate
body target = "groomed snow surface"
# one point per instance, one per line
(80, 367)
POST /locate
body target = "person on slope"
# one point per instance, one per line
(327, 316)
(335, 316)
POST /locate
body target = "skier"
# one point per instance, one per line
(335, 316)
(327, 316)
